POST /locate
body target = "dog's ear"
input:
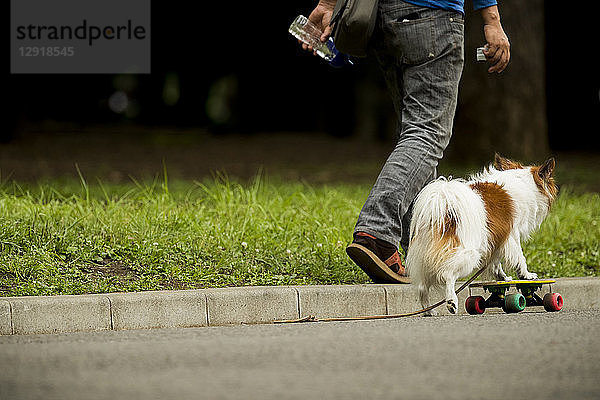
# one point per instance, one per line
(547, 168)
(502, 164)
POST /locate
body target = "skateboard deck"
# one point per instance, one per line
(533, 282)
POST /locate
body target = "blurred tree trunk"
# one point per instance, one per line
(504, 112)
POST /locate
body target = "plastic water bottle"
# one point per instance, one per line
(307, 32)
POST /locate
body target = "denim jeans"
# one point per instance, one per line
(420, 51)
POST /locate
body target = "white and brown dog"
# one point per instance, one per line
(459, 226)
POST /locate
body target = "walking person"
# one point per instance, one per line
(419, 46)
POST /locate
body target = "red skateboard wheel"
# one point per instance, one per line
(553, 302)
(475, 305)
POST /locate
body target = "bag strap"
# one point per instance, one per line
(338, 11)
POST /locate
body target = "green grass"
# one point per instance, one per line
(568, 242)
(69, 237)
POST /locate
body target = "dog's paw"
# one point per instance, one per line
(451, 304)
(508, 279)
(529, 276)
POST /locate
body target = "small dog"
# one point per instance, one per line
(459, 226)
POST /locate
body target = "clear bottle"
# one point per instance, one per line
(307, 32)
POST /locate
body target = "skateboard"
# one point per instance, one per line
(525, 296)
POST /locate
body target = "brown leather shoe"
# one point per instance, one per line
(369, 254)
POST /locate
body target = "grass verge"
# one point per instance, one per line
(68, 237)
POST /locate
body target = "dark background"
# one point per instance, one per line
(233, 68)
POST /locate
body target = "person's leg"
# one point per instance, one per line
(422, 60)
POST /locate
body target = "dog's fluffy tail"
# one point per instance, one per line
(447, 230)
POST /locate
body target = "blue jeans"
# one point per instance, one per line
(421, 53)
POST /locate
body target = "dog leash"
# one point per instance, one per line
(312, 318)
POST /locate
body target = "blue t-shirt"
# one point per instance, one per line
(456, 5)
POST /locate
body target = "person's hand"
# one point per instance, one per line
(498, 46)
(321, 16)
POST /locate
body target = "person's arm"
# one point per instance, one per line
(321, 16)
(498, 51)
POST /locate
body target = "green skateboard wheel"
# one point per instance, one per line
(514, 303)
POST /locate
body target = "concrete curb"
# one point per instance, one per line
(160, 309)
(251, 305)
(239, 305)
(52, 314)
(342, 301)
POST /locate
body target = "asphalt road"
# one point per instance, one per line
(525, 356)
